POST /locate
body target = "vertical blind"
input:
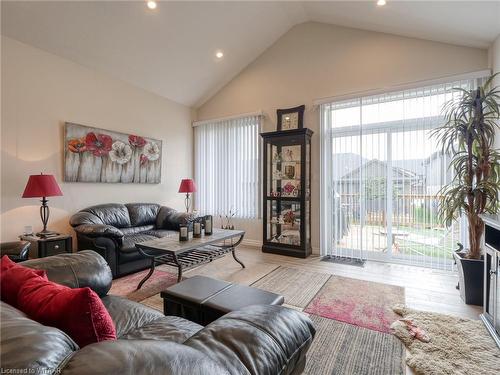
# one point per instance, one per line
(381, 174)
(227, 167)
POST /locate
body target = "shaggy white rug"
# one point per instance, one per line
(457, 346)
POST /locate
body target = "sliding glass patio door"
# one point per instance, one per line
(359, 195)
(381, 174)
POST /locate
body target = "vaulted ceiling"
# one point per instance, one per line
(171, 50)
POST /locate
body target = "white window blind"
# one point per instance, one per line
(381, 174)
(227, 166)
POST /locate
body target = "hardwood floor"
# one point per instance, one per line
(425, 289)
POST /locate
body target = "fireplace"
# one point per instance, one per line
(491, 313)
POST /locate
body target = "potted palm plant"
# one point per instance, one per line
(471, 120)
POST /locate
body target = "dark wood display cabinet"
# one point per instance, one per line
(287, 192)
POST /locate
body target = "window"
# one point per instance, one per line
(381, 174)
(227, 166)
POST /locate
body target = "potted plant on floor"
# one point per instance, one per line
(471, 120)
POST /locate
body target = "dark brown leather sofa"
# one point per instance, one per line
(259, 340)
(112, 230)
(17, 251)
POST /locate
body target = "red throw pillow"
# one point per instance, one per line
(78, 312)
(12, 278)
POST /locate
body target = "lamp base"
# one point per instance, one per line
(47, 233)
(44, 215)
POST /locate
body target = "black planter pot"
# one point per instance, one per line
(470, 279)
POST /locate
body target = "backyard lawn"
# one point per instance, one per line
(414, 243)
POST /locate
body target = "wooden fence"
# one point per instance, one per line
(407, 210)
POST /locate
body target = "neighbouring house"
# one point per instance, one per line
(437, 172)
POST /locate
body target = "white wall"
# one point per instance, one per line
(41, 91)
(315, 60)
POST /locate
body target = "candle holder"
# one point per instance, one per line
(196, 229)
(208, 219)
(183, 232)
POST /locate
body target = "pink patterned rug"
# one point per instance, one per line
(126, 286)
(361, 303)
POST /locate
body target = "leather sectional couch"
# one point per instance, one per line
(113, 229)
(257, 340)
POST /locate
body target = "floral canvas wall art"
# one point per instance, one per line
(98, 155)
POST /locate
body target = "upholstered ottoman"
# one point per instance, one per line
(203, 299)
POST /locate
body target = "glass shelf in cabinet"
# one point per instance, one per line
(284, 198)
(295, 225)
(286, 161)
(286, 179)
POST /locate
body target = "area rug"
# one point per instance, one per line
(127, 286)
(457, 345)
(155, 302)
(297, 286)
(340, 348)
(361, 303)
(233, 272)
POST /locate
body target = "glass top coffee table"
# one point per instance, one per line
(189, 254)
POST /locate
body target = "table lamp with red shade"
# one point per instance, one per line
(187, 186)
(42, 186)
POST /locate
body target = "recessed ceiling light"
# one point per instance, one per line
(151, 4)
(219, 54)
(381, 3)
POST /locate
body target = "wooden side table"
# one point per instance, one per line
(46, 246)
